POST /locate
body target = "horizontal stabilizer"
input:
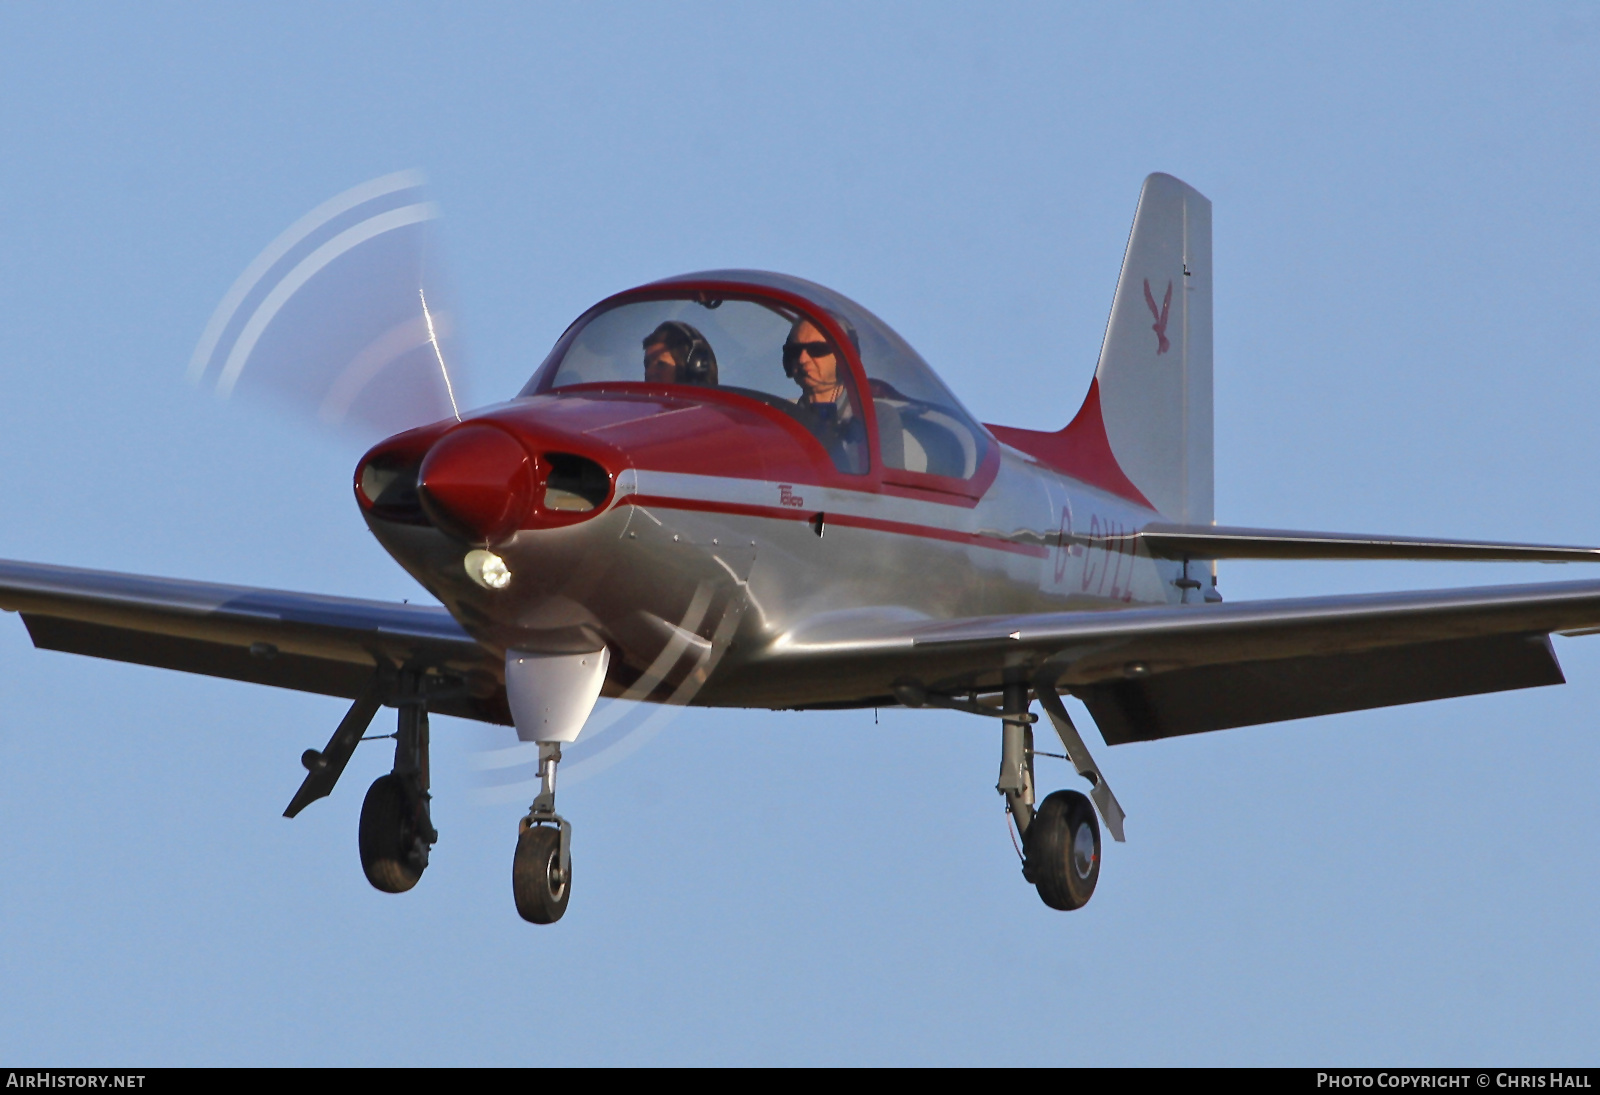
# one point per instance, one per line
(1165, 541)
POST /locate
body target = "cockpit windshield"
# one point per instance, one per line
(759, 349)
(772, 351)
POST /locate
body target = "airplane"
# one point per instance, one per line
(741, 489)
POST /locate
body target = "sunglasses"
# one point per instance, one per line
(792, 351)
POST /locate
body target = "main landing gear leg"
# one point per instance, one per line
(541, 870)
(1016, 757)
(1060, 841)
(396, 826)
(1062, 850)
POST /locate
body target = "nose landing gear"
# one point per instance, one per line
(541, 870)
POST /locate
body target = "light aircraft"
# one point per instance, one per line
(743, 489)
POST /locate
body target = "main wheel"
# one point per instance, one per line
(1063, 850)
(389, 836)
(537, 883)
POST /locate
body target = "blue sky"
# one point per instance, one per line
(1407, 323)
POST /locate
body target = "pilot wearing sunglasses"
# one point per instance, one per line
(825, 406)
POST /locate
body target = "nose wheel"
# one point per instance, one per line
(539, 882)
(541, 870)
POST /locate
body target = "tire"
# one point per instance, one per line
(1063, 850)
(536, 883)
(388, 836)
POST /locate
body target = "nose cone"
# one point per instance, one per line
(477, 482)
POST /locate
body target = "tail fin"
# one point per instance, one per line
(1152, 388)
(1144, 432)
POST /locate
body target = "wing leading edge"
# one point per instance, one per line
(302, 641)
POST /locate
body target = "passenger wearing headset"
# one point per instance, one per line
(825, 406)
(676, 353)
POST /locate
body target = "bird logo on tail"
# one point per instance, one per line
(1160, 324)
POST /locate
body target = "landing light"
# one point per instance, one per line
(487, 569)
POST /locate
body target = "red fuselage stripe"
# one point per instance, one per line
(780, 513)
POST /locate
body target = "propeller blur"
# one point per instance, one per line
(344, 317)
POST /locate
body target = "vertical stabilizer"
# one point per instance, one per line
(1152, 388)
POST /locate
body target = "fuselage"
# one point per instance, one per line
(724, 536)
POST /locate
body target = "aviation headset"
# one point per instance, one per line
(696, 363)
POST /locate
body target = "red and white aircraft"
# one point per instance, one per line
(743, 489)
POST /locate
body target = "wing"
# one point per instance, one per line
(311, 643)
(1157, 672)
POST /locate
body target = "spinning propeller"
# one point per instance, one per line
(343, 318)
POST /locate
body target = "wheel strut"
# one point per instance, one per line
(543, 810)
(1016, 756)
(324, 766)
(411, 759)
